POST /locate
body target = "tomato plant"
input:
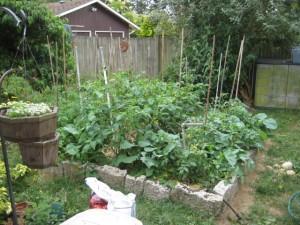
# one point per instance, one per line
(141, 129)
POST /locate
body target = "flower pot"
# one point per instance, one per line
(40, 155)
(21, 213)
(28, 129)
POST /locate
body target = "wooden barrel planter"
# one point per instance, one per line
(29, 129)
(40, 155)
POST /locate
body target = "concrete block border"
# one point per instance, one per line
(210, 202)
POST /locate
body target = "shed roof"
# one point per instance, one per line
(63, 8)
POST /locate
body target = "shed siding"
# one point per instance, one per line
(277, 86)
(100, 20)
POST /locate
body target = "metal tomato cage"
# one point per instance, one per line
(18, 21)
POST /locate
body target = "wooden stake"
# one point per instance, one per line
(64, 61)
(220, 65)
(121, 60)
(78, 74)
(56, 64)
(148, 62)
(110, 53)
(162, 55)
(186, 65)
(210, 78)
(240, 66)
(56, 61)
(181, 51)
(236, 70)
(131, 57)
(224, 68)
(49, 50)
(96, 56)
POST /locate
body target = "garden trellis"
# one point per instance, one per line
(106, 85)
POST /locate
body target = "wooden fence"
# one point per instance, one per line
(145, 56)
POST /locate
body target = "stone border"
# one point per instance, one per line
(210, 202)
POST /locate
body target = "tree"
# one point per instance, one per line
(33, 54)
(271, 24)
(162, 22)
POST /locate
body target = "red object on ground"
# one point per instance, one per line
(97, 202)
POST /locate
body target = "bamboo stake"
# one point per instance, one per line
(240, 66)
(162, 55)
(220, 64)
(49, 50)
(120, 51)
(186, 65)
(210, 77)
(181, 51)
(236, 70)
(78, 74)
(56, 64)
(56, 61)
(64, 61)
(148, 62)
(131, 57)
(96, 56)
(110, 52)
(224, 68)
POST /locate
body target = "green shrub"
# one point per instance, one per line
(17, 172)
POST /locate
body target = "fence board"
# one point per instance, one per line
(142, 56)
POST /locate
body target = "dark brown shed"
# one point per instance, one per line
(93, 17)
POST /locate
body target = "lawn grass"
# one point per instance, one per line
(272, 189)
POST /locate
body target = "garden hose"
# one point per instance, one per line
(294, 206)
(232, 209)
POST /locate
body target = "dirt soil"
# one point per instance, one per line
(245, 196)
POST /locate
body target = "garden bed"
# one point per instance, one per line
(207, 201)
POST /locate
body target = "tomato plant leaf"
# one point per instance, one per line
(126, 145)
(123, 158)
(72, 149)
(148, 149)
(144, 144)
(71, 129)
(93, 144)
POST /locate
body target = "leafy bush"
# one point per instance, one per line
(16, 172)
(271, 28)
(45, 210)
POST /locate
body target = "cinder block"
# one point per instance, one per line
(155, 191)
(200, 200)
(227, 190)
(112, 176)
(73, 170)
(135, 184)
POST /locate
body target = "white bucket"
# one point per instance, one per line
(124, 206)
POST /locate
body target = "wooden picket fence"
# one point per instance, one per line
(144, 56)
